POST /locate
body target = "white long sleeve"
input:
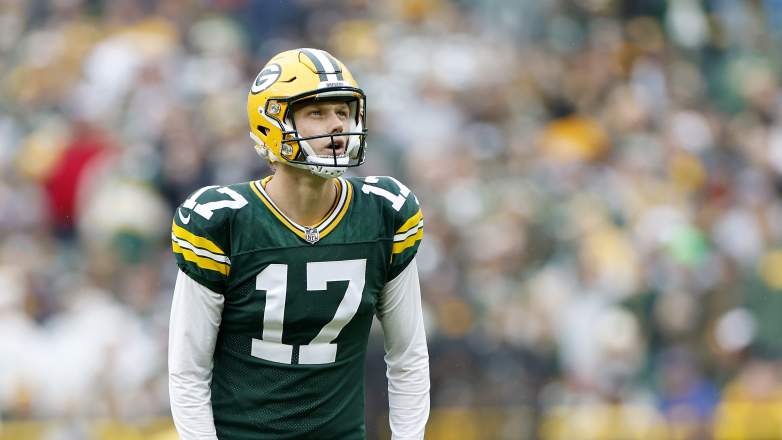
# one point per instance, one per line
(196, 312)
(407, 356)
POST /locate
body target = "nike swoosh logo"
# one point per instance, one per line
(184, 219)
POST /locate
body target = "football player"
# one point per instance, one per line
(279, 278)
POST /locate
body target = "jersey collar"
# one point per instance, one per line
(313, 233)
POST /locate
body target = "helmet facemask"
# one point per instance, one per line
(305, 156)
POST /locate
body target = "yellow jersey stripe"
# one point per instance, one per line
(195, 240)
(348, 198)
(202, 262)
(200, 252)
(409, 242)
(412, 231)
(411, 222)
(273, 210)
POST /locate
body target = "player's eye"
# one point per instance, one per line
(315, 113)
(342, 114)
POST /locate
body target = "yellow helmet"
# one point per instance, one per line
(296, 76)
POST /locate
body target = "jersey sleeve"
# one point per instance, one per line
(200, 239)
(408, 227)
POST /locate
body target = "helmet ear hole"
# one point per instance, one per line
(262, 129)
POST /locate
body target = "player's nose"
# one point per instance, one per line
(335, 124)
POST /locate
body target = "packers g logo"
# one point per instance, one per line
(266, 78)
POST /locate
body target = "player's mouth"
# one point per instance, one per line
(336, 148)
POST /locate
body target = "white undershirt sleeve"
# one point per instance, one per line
(196, 312)
(407, 357)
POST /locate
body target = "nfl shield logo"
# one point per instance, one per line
(311, 235)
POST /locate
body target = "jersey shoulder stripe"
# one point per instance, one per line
(195, 240)
(201, 262)
(199, 250)
(411, 232)
(400, 246)
(411, 222)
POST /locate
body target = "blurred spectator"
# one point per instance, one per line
(686, 398)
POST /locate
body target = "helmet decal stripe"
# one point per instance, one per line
(326, 70)
(337, 68)
(316, 62)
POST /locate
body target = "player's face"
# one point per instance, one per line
(328, 117)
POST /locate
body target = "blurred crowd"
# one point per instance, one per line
(601, 183)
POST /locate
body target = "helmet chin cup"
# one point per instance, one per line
(327, 172)
(319, 170)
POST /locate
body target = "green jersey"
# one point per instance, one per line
(298, 301)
